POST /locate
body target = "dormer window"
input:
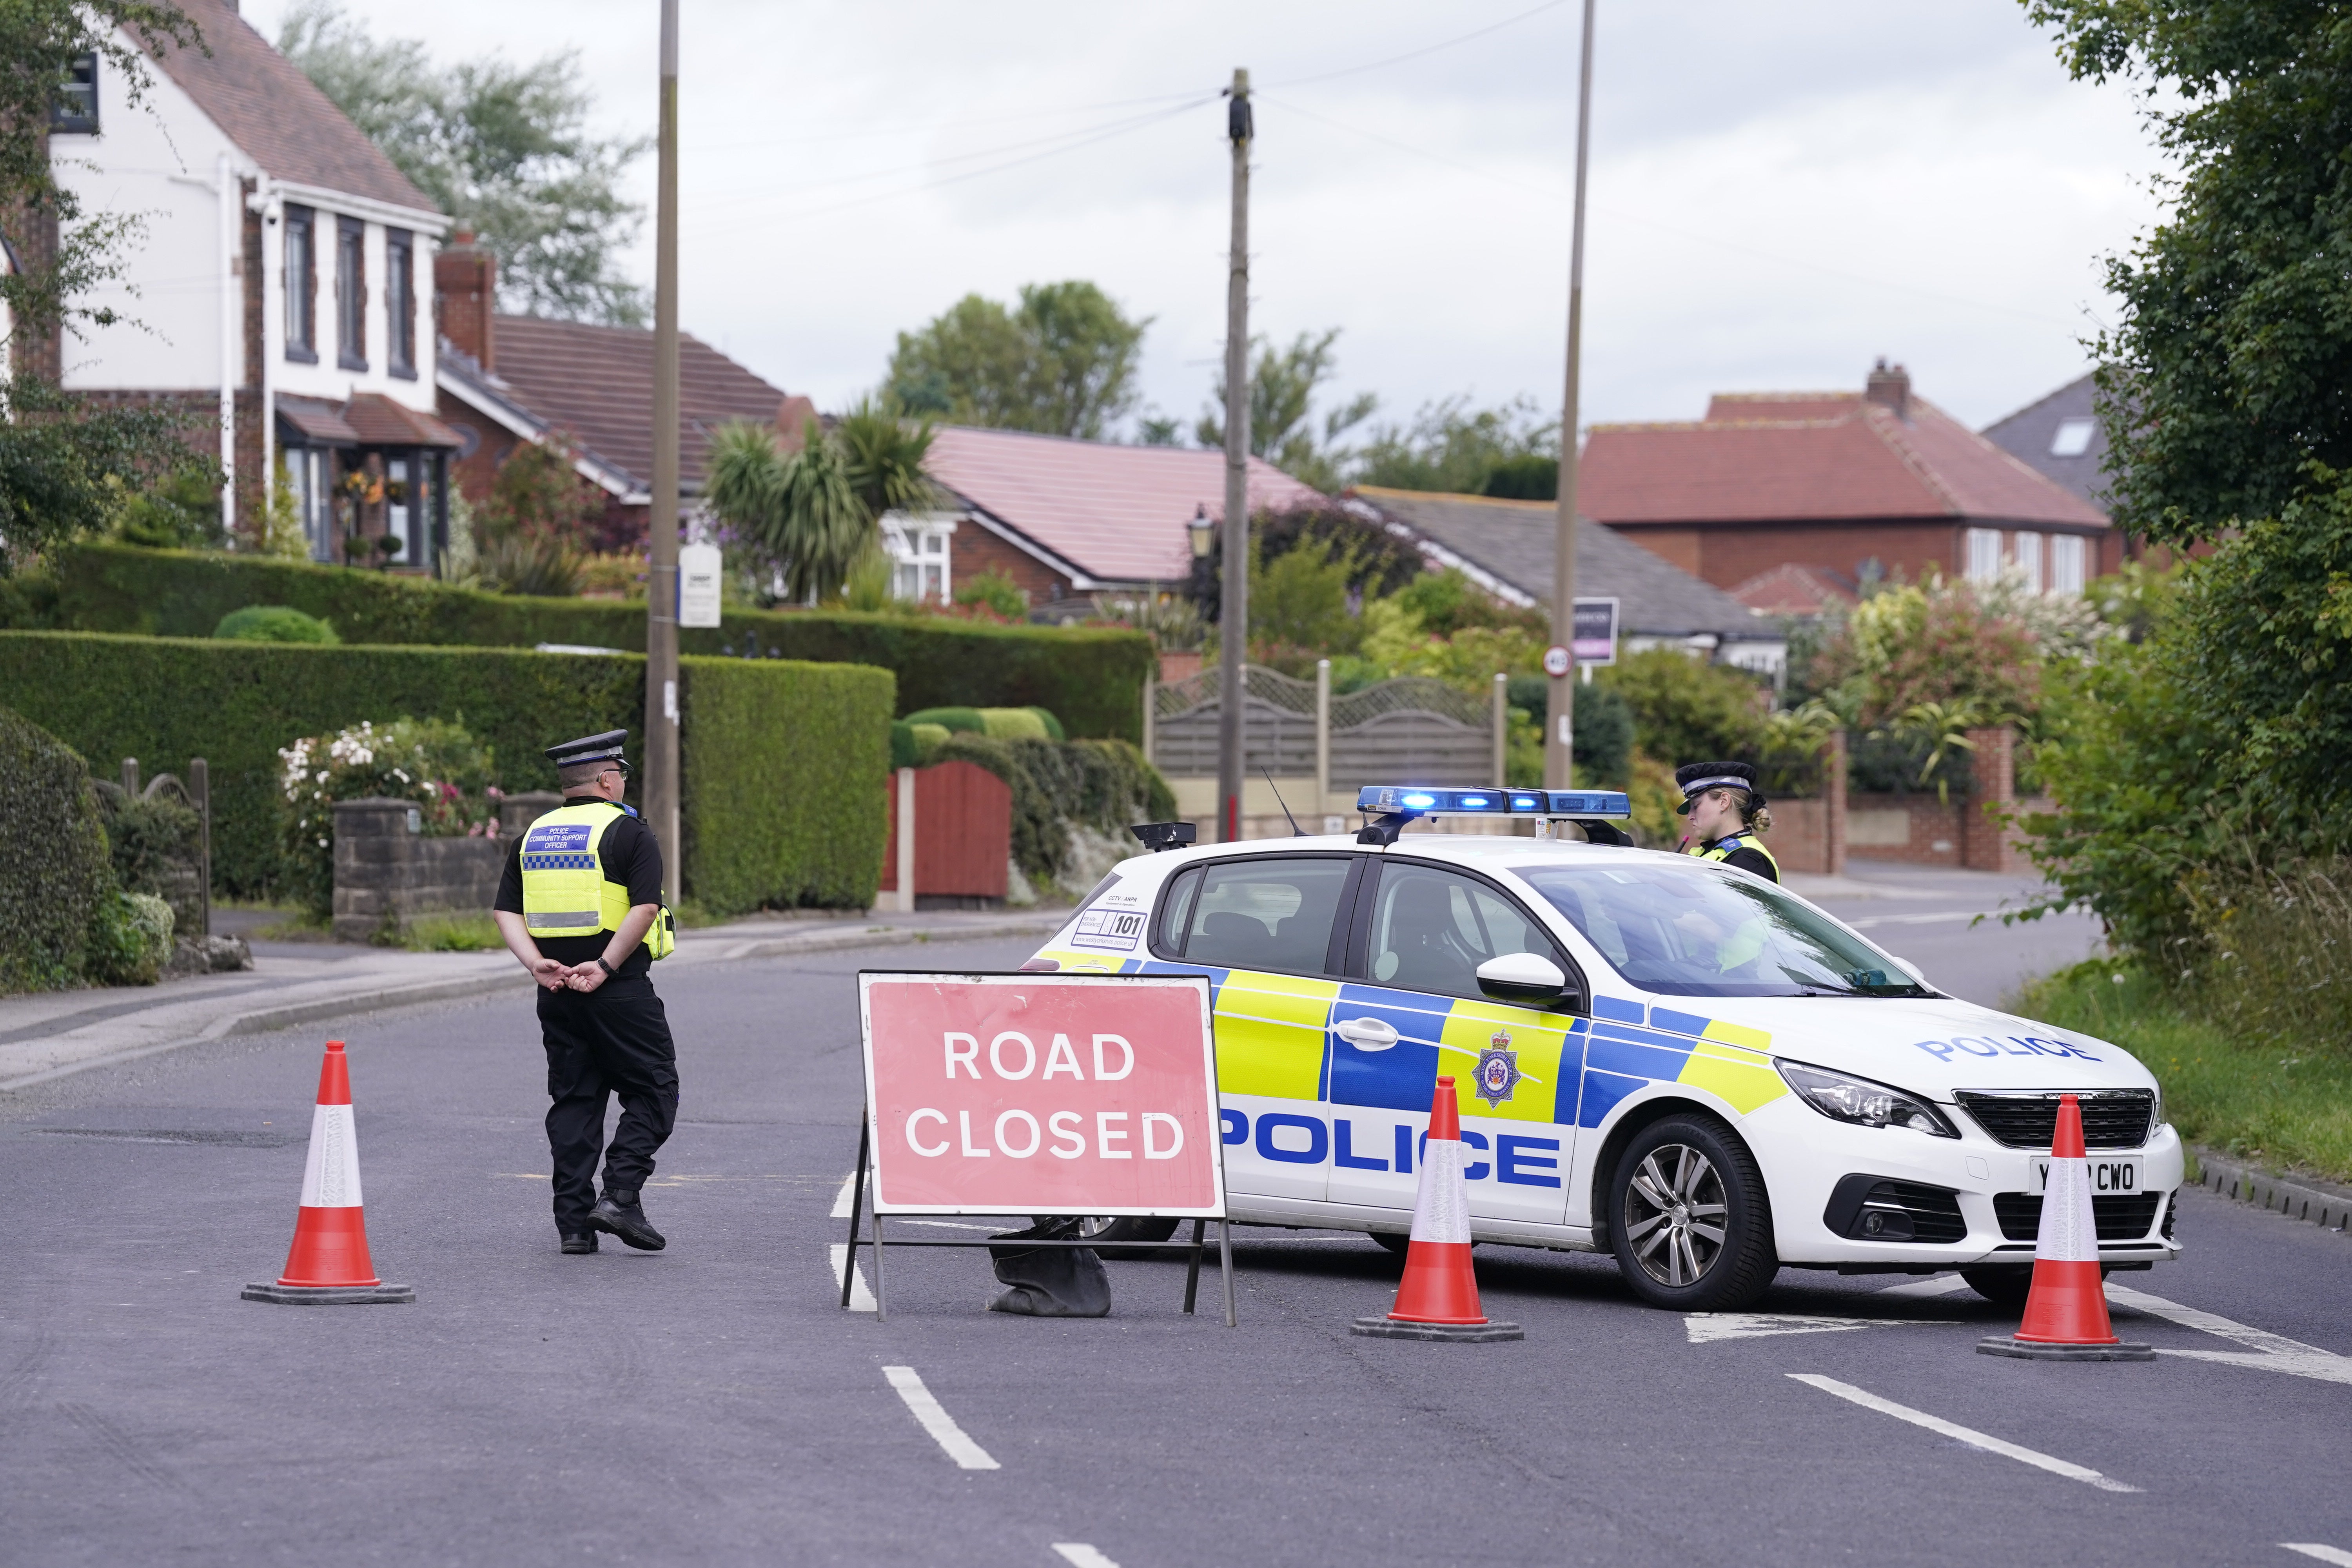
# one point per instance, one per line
(2073, 437)
(76, 112)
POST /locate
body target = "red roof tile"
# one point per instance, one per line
(1792, 590)
(1117, 513)
(378, 421)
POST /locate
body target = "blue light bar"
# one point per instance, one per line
(1431, 802)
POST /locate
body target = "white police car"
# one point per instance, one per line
(1656, 1055)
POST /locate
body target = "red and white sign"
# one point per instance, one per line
(1092, 1094)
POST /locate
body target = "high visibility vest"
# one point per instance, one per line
(565, 889)
(1724, 846)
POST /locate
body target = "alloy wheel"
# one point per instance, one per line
(1676, 1215)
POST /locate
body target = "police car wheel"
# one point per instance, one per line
(1689, 1219)
(1126, 1227)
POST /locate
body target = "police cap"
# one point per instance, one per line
(1697, 778)
(605, 747)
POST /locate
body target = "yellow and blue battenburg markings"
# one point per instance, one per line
(558, 847)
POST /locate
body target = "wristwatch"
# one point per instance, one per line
(608, 969)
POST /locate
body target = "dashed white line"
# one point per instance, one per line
(1972, 1437)
(841, 1199)
(861, 1300)
(1706, 1328)
(967, 1454)
(2336, 1554)
(1078, 1554)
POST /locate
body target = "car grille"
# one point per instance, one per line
(2112, 1118)
(1934, 1212)
(2124, 1217)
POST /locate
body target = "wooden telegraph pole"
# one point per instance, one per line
(1559, 734)
(1233, 614)
(661, 786)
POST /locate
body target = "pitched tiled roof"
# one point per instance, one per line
(1790, 589)
(277, 115)
(1807, 457)
(1116, 513)
(2029, 434)
(596, 384)
(1516, 541)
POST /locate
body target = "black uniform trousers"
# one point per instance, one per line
(612, 1040)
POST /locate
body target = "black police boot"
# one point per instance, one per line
(585, 1242)
(618, 1211)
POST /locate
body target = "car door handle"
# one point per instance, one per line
(1367, 1033)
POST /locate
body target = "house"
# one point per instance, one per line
(2061, 438)
(1840, 481)
(1510, 549)
(504, 380)
(1789, 591)
(1064, 519)
(281, 289)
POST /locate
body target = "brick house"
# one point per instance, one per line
(1836, 481)
(281, 288)
(504, 380)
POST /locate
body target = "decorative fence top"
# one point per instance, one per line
(1414, 692)
(1412, 726)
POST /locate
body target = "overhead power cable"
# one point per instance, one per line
(1425, 50)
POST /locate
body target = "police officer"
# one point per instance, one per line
(1727, 812)
(580, 904)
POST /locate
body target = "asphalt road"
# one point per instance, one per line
(1928, 915)
(711, 1404)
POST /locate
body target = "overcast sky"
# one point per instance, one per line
(1779, 193)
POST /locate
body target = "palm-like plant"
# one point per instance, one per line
(799, 512)
(884, 456)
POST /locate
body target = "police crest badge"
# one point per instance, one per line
(1498, 1070)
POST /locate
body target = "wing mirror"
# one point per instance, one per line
(1912, 970)
(1524, 979)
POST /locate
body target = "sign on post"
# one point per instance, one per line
(698, 569)
(1595, 636)
(1040, 1094)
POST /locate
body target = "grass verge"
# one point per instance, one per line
(450, 933)
(2290, 1109)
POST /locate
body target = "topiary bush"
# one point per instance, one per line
(55, 884)
(273, 623)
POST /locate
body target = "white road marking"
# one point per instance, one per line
(1869, 921)
(1706, 1328)
(2336, 1554)
(967, 1454)
(1080, 1555)
(952, 1225)
(1973, 1438)
(1943, 1286)
(841, 1199)
(2268, 1352)
(861, 1300)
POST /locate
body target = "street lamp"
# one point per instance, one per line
(1204, 533)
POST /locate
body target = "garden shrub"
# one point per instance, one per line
(431, 763)
(54, 879)
(273, 623)
(1092, 676)
(1098, 786)
(156, 846)
(130, 939)
(961, 721)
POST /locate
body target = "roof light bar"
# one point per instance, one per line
(1410, 801)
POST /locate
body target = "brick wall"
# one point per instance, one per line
(974, 550)
(385, 874)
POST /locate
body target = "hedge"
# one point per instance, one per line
(54, 876)
(782, 760)
(1091, 677)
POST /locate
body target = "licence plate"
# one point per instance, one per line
(2109, 1178)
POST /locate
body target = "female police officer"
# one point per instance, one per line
(1726, 813)
(580, 904)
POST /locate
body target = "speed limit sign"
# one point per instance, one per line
(1556, 661)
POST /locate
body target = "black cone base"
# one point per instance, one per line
(1398, 1329)
(2030, 1350)
(328, 1295)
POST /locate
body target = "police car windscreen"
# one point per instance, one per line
(1688, 932)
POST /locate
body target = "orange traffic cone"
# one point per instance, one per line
(2067, 1311)
(1438, 1299)
(327, 1265)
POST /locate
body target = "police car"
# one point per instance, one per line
(1653, 1056)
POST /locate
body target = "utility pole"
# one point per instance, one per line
(1233, 614)
(661, 787)
(1559, 734)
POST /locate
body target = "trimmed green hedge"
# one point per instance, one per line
(54, 882)
(1091, 677)
(817, 734)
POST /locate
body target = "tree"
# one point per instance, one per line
(1452, 446)
(1282, 394)
(68, 463)
(1062, 362)
(2231, 366)
(884, 456)
(503, 149)
(799, 514)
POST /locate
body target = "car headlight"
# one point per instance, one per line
(1842, 1098)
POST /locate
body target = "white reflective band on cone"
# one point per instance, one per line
(2070, 1229)
(1441, 1210)
(330, 1179)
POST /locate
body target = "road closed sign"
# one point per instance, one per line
(1033, 1094)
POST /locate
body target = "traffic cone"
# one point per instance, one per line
(2066, 1310)
(1438, 1298)
(327, 1265)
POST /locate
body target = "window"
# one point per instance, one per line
(1265, 912)
(305, 472)
(2073, 437)
(400, 303)
(2028, 554)
(2067, 573)
(1984, 555)
(1432, 930)
(351, 293)
(919, 549)
(1687, 931)
(76, 111)
(301, 285)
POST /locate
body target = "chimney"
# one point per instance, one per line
(465, 298)
(1889, 386)
(793, 415)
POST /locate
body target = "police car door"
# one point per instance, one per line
(1412, 1011)
(1267, 930)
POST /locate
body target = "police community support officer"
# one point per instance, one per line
(580, 905)
(1727, 812)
